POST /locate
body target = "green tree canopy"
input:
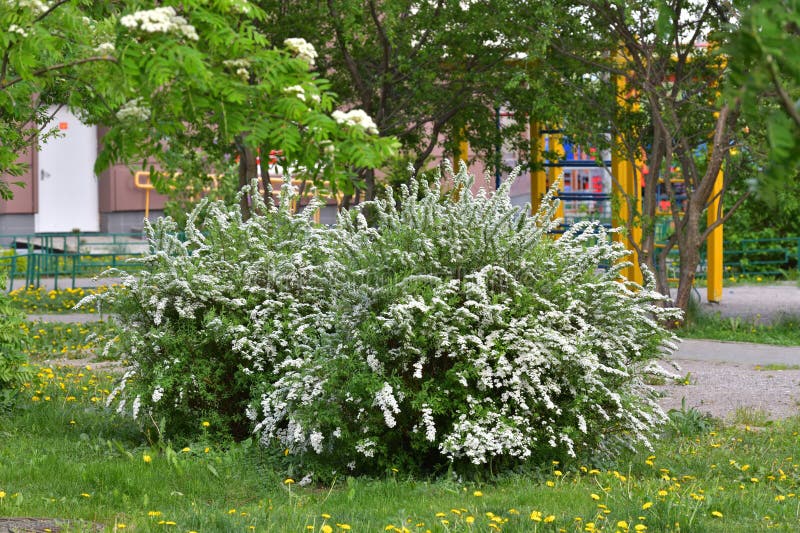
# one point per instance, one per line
(188, 85)
(425, 70)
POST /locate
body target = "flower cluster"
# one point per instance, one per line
(105, 48)
(34, 7)
(302, 49)
(160, 20)
(356, 117)
(133, 110)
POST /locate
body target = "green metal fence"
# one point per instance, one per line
(67, 257)
(749, 257)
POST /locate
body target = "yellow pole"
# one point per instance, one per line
(463, 149)
(625, 189)
(557, 149)
(538, 176)
(714, 244)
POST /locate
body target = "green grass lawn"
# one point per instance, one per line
(40, 300)
(63, 455)
(68, 340)
(783, 332)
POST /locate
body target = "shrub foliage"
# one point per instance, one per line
(452, 330)
(14, 369)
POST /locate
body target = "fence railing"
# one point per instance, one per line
(66, 257)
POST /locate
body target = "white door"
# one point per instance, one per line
(68, 196)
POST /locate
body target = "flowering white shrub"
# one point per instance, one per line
(454, 330)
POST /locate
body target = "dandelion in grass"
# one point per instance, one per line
(147, 459)
(716, 514)
(477, 494)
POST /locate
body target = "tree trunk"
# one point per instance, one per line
(689, 250)
(247, 173)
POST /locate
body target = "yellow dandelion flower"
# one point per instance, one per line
(326, 529)
(147, 459)
(288, 481)
(640, 527)
(477, 494)
(549, 518)
(647, 505)
(536, 516)
(470, 520)
(326, 516)
(594, 496)
(716, 513)
(344, 527)
(206, 423)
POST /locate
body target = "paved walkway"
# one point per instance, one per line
(737, 352)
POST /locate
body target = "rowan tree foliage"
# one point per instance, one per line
(192, 86)
(424, 70)
(50, 54)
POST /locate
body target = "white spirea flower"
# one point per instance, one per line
(386, 401)
(302, 49)
(158, 393)
(316, 441)
(430, 425)
(137, 404)
(356, 117)
(160, 20)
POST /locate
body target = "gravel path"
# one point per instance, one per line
(725, 377)
(721, 388)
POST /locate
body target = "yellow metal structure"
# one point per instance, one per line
(147, 186)
(538, 177)
(141, 180)
(714, 244)
(555, 147)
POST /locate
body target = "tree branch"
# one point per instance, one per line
(60, 66)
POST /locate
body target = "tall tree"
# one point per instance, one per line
(49, 55)
(425, 70)
(651, 72)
